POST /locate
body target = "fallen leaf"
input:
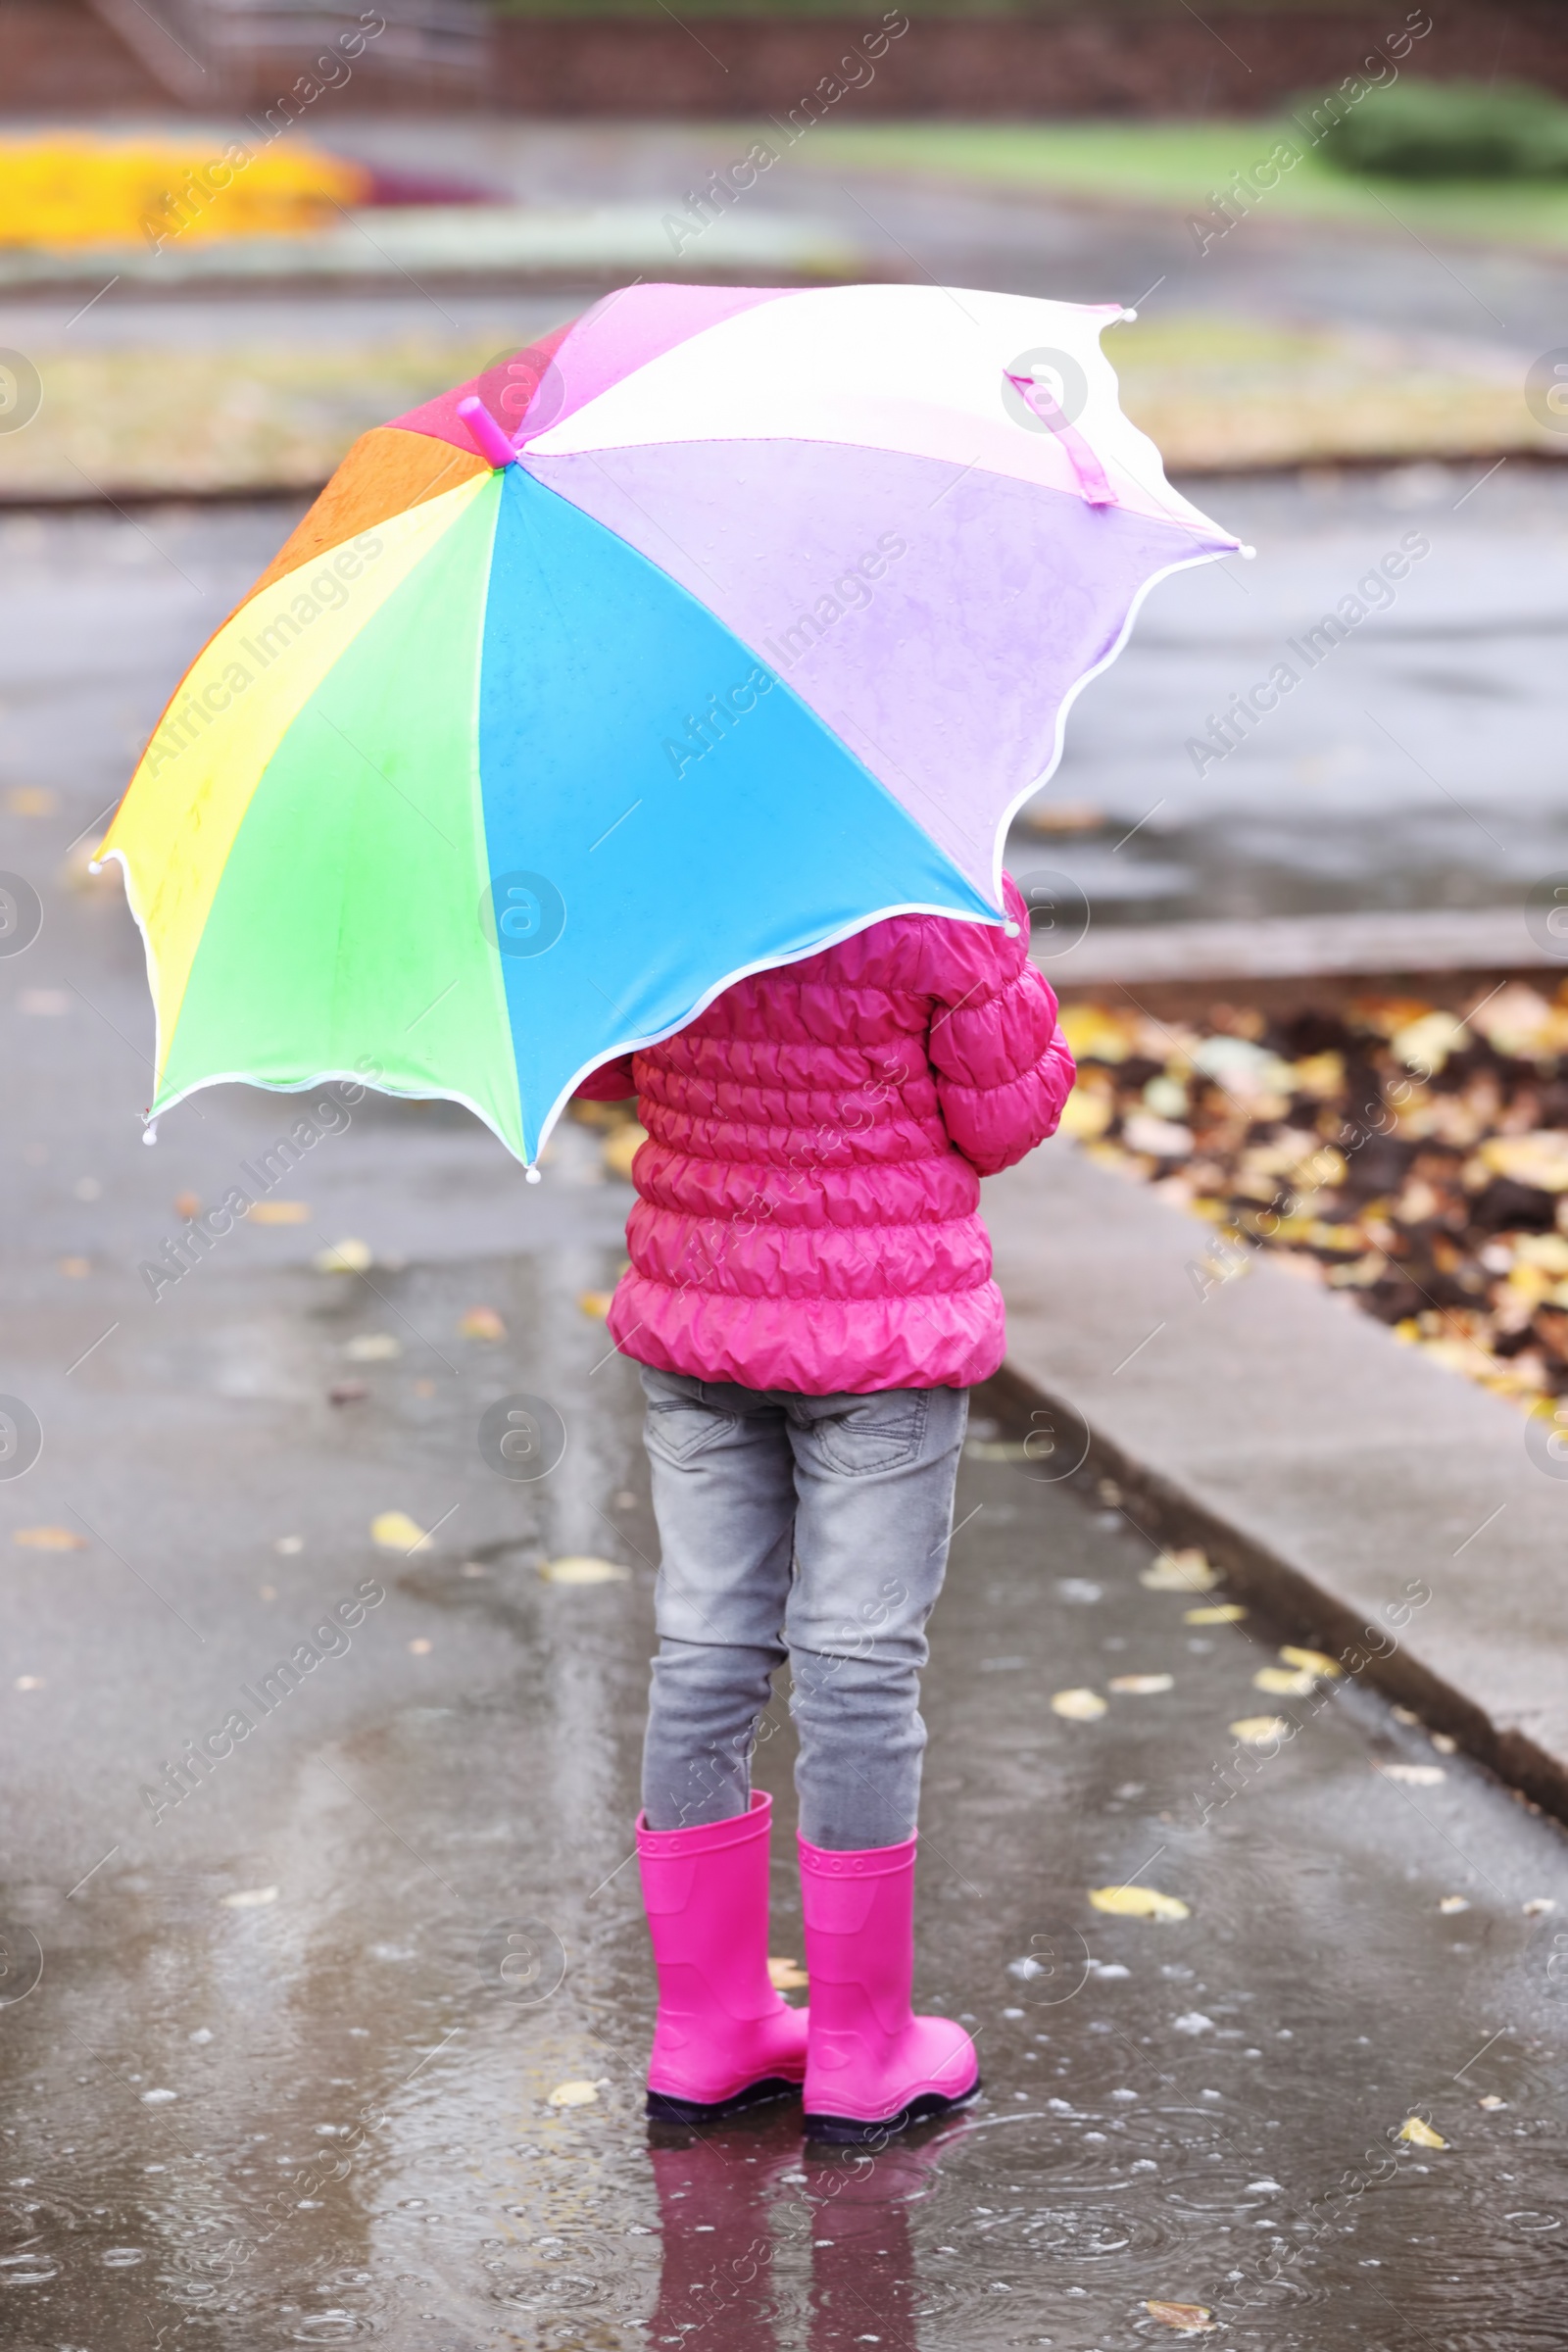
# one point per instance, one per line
(602, 1115)
(1222, 1612)
(249, 1898)
(1312, 1661)
(1066, 817)
(787, 1975)
(1518, 1020)
(1079, 1706)
(1284, 1682)
(580, 1568)
(573, 2094)
(1420, 2134)
(279, 1212)
(482, 1323)
(1097, 1033)
(1537, 1904)
(1188, 2319)
(344, 1257)
(395, 1530)
(1260, 1731)
(1142, 1686)
(1242, 1065)
(595, 1303)
(1179, 1572)
(372, 1347)
(50, 1538)
(1538, 1161)
(1087, 1112)
(1138, 1902)
(621, 1147)
(1160, 1139)
(1455, 1902)
(421, 1645)
(1415, 1776)
(1430, 1039)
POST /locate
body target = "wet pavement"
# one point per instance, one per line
(1416, 761)
(1025, 241)
(1416, 764)
(345, 2042)
(297, 2066)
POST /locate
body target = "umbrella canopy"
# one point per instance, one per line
(713, 628)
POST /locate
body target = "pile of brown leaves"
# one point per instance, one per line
(1389, 1149)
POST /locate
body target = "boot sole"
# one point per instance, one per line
(851, 2132)
(662, 2108)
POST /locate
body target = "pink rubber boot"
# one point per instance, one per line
(724, 2038)
(872, 2067)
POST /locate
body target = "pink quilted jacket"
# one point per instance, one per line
(809, 1211)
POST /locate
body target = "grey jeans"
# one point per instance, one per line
(812, 1528)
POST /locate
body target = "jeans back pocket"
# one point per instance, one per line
(680, 1427)
(880, 1432)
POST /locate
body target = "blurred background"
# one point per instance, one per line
(235, 235)
(1345, 231)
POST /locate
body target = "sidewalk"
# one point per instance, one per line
(1332, 1475)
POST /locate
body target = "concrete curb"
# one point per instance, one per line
(1358, 947)
(1370, 1500)
(475, 248)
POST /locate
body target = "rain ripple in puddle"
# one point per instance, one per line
(31, 2269)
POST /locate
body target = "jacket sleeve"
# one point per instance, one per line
(1002, 1067)
(612, 1082)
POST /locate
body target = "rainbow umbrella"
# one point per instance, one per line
(701, 635)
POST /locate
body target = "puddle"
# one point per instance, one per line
(361, 2143)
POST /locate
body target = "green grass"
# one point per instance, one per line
(1180, 164)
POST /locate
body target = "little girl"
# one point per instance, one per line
(811, 1300)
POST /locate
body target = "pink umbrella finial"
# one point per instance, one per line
(488, 437)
